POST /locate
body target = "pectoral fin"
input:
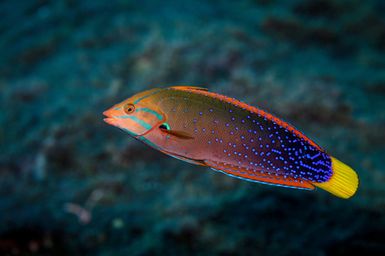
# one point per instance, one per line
(178, 134)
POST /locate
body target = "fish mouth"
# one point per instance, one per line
(109, 119)
(107, 113)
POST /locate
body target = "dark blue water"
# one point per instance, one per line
(72, 185)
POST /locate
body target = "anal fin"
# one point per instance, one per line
(260, 176)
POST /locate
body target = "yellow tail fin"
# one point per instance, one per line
(344, 181)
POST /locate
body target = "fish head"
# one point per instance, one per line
(134, 115)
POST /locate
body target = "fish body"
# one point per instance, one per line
(206, 128)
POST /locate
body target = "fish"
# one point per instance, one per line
(229, 136)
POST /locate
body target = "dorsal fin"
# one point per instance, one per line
(187, 87)
(253, 109)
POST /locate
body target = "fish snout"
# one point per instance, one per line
(109, 114)
(110, 121)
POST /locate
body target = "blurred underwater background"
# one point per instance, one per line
(72, 185)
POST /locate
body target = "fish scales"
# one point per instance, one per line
(242, 141)
(230, 134)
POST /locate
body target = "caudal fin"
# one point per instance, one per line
(344, 181)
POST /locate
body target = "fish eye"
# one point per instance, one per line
(129, 108)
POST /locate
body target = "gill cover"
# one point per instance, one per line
(137, 115)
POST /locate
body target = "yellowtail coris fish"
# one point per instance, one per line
(209, 129)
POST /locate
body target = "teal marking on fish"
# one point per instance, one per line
(156, 114)
(137, 120)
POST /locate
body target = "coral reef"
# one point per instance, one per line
(72, 185)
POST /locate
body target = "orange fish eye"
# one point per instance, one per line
(129, 108)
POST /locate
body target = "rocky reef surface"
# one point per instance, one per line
(72, 185)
